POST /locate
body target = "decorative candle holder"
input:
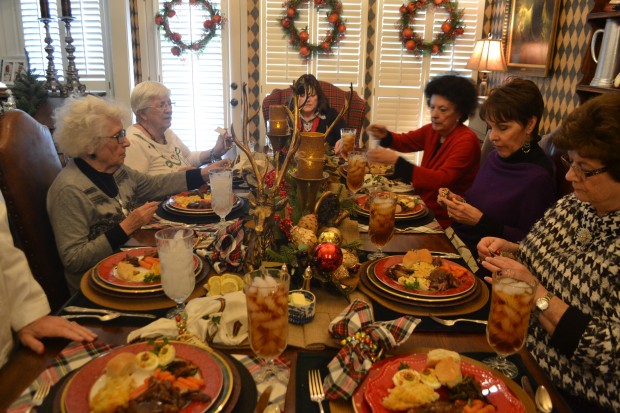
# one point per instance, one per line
(308, 189)
(309, 166)
(72, 81)
(51, 83)
(278, 121)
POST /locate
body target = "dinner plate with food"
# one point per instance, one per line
(195, 202)
(407, 206)
(372, 168)
(380, 181)
(438, 380)
(419, 274)
(172, 375)
(136, 268)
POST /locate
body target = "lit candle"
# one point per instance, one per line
(277, 120)
(66, 8)
(45, 9)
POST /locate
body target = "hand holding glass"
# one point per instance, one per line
(176, 258)
(509, 318)
(356, 170)
(266, 292)
(381, 223)
(222, 197)
(348, 141)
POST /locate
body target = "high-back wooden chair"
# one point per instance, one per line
(336, 98)
(28, 165)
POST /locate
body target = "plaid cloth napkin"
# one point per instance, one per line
(227, 252)
(278, 394)
(74, 356)
(364, 340)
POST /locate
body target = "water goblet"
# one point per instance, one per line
(511, 306)
(356, 171)
(348, 141)
(381, 224)
(176, 257)
(222, 197)
(266, 292)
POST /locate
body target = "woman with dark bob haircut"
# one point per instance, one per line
(451, 150)
(574, 254)
(516, 184)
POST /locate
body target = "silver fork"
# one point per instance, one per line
(316, 388)
(40, 395)
(450, 323)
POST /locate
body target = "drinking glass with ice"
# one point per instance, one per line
(222, 197)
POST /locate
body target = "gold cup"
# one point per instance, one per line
(308, 189)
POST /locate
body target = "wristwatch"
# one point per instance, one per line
(543, 302)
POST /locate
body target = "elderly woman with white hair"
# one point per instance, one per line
(96, 202)
(155, 149)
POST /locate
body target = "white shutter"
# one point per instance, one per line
(196, 81)
(282, 64)
(87, 31)
(400, 77)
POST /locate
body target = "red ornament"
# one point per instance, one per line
(435, 49)
(411, 7)
(286, 23)
(459, 31)
(304, 51)
(159, 19)
(325, 45)
(217, 19)
(446, 27)
(176, 51)
(333, 18)
(342, 28)
(403, 9)
(290, 12)
(438, 2)
(407, 33)
(176, 37)
(410, 45)
(171, 13)
(303, 36)
(208, 24)
(327, 256)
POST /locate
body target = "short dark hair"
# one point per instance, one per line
(593, 131)
(458, 90)
(518, 100)
(308, 84)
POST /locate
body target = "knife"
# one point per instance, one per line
(75, 309)
(527, 386)
(263, 400)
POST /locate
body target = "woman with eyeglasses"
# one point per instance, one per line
(96, 202)
(155, 149)
(516, 184)
(574, 253)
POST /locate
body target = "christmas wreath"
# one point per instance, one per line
(450, 29)
(299, 39)
(210, 26)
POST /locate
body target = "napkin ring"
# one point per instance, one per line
(365, 343)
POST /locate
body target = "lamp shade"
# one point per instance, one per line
(487, 56)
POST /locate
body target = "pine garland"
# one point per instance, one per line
(29, 92)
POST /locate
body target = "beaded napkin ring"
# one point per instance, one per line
(365, 344)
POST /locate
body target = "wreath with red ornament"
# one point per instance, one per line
(299, 38)
(210, 25)
(450, 29)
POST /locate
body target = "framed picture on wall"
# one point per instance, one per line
(11, 68)
(531, 35)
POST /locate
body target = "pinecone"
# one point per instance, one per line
(301, 236)
(310, 222)
(341, 273)
(349, 260)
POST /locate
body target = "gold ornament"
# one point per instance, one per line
(330, 234)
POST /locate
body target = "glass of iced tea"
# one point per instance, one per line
(266, 292)
(348, 141)
(356, 171)
(509, 318)
(382, 216)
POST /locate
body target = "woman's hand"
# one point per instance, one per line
(139, 217)
(223, 144)
(492, 246)
(461, 211)
(338, 147)
(509, 267)
(378, 131)
(382, 155)
(52, 326)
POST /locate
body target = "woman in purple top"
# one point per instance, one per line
(516, 184)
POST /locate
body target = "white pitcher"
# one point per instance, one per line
(608, 60)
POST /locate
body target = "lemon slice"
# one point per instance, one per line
(229, 286)
(214, 285)
(238, 280)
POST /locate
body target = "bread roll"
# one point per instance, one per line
(123, 364)
(434, 356)
(413, 256)
(448, 372)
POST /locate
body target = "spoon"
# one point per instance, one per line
(543, 400)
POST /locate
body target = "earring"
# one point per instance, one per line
(527, 147)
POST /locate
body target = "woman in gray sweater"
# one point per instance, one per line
(96, 202)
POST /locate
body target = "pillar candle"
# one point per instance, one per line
(66, 8)
(45, 9)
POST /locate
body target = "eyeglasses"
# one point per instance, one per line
(120, 137)
(163, 106)
(581, 174)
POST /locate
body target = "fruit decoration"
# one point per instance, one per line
(327, 256)
(340, 273)
(302, 236)
(310, 222)
(212, 22)
(330, 234)
(350, 260)
(299, 38)
(450, 29)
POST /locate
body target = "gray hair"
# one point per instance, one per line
(144, 92)
(82, 121)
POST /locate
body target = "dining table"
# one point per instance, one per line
(24, 366)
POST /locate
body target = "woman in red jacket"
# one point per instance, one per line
(451, 150)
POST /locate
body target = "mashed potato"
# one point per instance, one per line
(113, 394)
(408, 396)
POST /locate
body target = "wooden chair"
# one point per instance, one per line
(28, 165)
(336, 98)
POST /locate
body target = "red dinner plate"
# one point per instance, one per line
(468, 280)
(419, 210)
(106, 269)
(494, 388)
(77, 393)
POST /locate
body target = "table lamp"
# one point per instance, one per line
(487, 56)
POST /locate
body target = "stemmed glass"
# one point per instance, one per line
(348, 141)
(222, 197)
(509, 318)
(356, 171)
(266, 292)
(381, 223)
(175, 250)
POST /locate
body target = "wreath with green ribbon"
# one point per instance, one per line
(209, 26)
(299, 38)
(450, 29)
